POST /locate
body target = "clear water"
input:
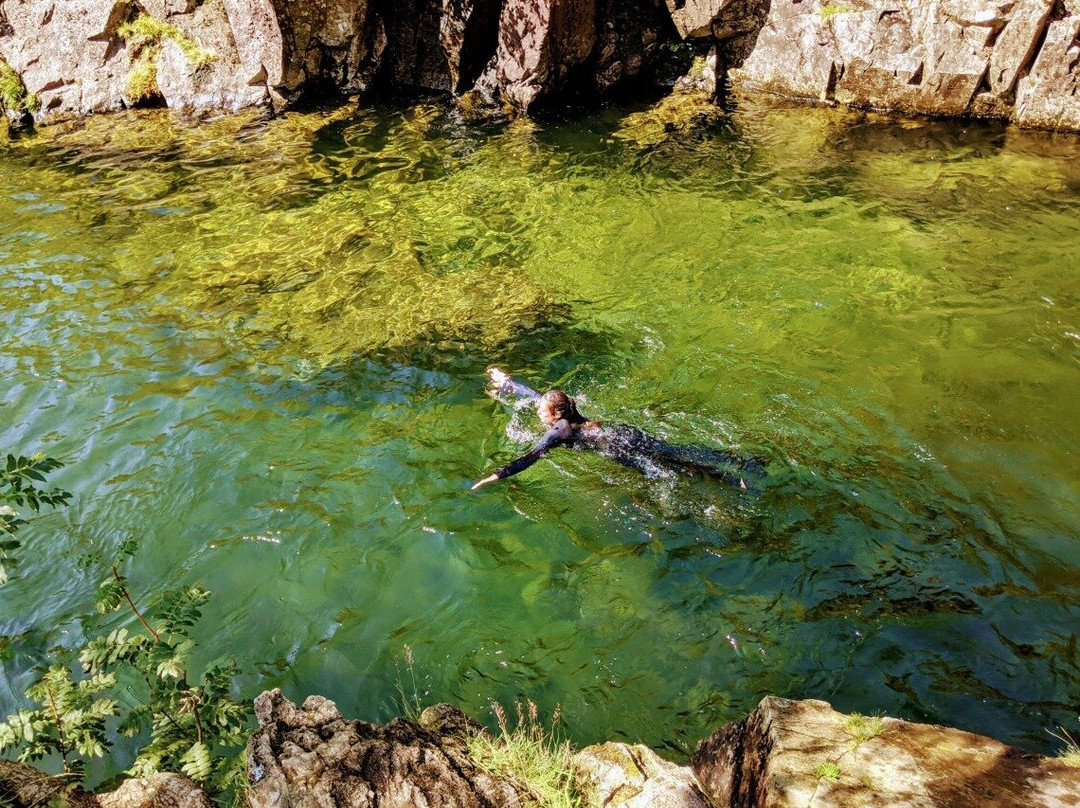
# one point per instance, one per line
(260, 348)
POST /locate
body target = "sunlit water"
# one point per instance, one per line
(260, 348)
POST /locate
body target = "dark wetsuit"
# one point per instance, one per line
(625, 444)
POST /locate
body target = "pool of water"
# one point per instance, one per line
(260, 347)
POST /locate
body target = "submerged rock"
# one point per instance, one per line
(803, 753)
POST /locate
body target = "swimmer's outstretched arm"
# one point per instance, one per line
(502, 386)
(558, 433)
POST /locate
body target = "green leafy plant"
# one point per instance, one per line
(828, 771)
(19, 485)
(529, 755)
(70, 721)
(145, 35)
(194, 727)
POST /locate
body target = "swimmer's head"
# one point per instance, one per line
(555, 405)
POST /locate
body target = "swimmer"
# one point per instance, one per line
(623, 443)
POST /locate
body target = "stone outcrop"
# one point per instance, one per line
(310, 757)
(1010, 59)
(803, 753)
(634, 776)
(1015, 59)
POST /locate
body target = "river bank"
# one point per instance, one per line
(786, 754)
(995, 59)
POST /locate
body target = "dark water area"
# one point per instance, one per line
(259, 346)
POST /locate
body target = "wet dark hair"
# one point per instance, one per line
(561, 406)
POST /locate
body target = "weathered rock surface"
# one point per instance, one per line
(163, 790)
(803, 753)
(310, 757)
(1003, 58)
(634, 776)
(23, 786)
(1013, 59)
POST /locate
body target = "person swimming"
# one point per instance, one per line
(626, 444)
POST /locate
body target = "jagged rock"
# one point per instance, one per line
(335, 43)
(793, 54)
(260, 48)
(1049, 96)
(68, 53)
(947, 57)
(414, 56)
(469, 35)
(618, 775)
(310, 757)
(629, 35)
(800, 753)
(156, 791)
(540, 41)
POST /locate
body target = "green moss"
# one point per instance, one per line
(13, 95)
(831, 9)
(145, 36)
(142, 80)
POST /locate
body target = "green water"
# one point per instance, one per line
(260, 348)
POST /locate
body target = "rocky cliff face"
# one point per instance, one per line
(1014, 59)
(1010, 59)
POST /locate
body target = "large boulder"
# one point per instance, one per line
(1049, 96)
(619, 775)
(803, 753)
(311, 757)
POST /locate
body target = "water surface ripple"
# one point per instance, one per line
(260, 346)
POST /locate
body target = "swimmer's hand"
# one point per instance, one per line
(489, 479)
(498, 377)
